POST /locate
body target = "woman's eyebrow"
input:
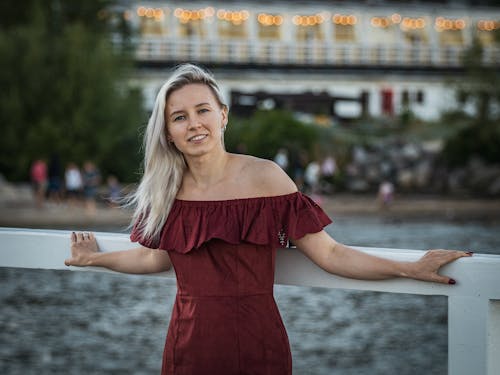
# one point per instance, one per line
(182, 111)
(201, 104)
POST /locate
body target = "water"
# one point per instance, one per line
(58, 322)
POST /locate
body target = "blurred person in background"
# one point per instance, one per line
(74, 184)
(385, 194)
(281, 158)
(114, 191)
(38, 175)
(328, 170)
(311, 176)
(54, 191)
(219, 218)
(298, 163)
(91, 181)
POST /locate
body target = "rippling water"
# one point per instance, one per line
(59, 322)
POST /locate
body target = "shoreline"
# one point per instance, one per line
(415, 207)
(24, 214)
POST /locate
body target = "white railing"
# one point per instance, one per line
(156, 49)
(473, 303)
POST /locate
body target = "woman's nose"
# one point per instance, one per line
(194, 122)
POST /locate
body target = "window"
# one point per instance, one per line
(451, 37)
(270, 26)
(344, 33)
(305, 33)
(192, 28)
(420, 97)
(228, 29)
(418, 36)
(405, 98)
(232, 23)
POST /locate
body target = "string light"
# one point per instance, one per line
(382, 22)
(396, 18)
(186, 15)
(488, 25)
(311, 20)
(239, 16)
(442, 24)
(345, 20)
(157, 13)
(412, 23)
(235, 17)
(269, 19)
(127, 15)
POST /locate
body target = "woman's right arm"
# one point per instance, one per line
(141, 260)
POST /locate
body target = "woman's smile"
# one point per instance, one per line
(197, 138)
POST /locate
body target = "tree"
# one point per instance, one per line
(266, 132)
(64, 89)
(479, 88)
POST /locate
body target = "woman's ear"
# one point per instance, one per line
(224, 116)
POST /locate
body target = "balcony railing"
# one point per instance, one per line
(473, 304)
(155, 49)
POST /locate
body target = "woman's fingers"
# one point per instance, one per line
(82, 236)
(433, 260)
(82, 244)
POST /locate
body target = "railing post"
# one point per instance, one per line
(467, 335)
(493, 354)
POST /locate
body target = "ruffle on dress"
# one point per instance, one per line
(260, 221)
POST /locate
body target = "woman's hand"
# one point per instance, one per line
(342, 260)
(427, 267)
(141, 260)
(83, 246)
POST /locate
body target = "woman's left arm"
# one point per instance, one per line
(345, 261)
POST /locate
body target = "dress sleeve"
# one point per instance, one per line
(299, 215)
(137, 235)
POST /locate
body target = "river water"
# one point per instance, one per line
(59, 322)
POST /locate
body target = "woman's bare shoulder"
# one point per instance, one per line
(265, 176)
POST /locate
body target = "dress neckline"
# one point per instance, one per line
(235, 200)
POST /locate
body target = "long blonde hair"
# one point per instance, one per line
(164, 165)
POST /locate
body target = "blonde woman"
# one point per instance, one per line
(218, 218)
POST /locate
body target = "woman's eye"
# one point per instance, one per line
(203, 110)
(179, 118)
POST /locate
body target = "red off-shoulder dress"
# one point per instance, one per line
(225, 319)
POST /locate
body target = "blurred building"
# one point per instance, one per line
(328, 59)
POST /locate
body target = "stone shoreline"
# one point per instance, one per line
(24, 214)
(415, 207)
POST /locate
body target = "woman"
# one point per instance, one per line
(218, 218)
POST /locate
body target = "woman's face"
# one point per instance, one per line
(194, 119)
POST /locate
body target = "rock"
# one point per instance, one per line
(481, 176)
(405, 179)
(411, 152)
(422, 174)
(494, 188)
(359, 155)
(432, 147)
(372, 174)
(456, 181)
